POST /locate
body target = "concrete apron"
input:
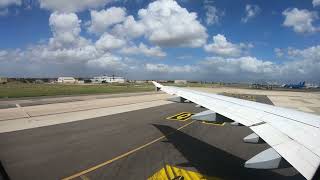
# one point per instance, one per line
(20, 118)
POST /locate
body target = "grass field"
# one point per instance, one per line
(15, 90)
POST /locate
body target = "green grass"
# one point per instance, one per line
(15, 90)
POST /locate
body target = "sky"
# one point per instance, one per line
(229, 40)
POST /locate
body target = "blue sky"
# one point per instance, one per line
(231, 40)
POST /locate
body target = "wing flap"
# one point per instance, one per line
(304, 160)
(269, 134)
(302, 133)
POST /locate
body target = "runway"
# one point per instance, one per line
(133, 145)
(34, 101)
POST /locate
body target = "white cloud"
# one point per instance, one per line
(164, 68)
(222, 47)
(109, 42)
(300, 20)
(107, 61)
(101, 20)
(168, 24)
(251, 12)
(163, 22)
(279, 52)
(130, 28)
(143, 49)
(67, 52)
(312, 52)
(316, 3)
(237, 66)
(63, 55)
(6, 3)
(212, 14)
(3, 53)
(304, 65)
(72, 5)
(66, 29)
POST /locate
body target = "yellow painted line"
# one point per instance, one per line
(183, 116)
(123, 155)
(214, 124)
(170, 117)
(171, 172)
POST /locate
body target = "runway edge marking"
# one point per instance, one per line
(123, 155)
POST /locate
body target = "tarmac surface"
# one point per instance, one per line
(42, 100)
(133, 145)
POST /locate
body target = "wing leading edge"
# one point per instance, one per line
(294, 135)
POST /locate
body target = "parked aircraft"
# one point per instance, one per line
(295, 86)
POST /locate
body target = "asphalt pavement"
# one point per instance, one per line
(133, 145)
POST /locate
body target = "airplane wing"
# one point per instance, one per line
(294, 135)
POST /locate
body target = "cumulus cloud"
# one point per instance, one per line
(312, 52)
(72, 5)
(304, 65)
(143, 49)
(107, 61)
(222, 47)
(109, 42)
(101, 20)
(66, 29)
(6, 3)
(168, 24)
(164, 68)
(251, 12)
(3, 53)
(130, 28)
(164, 23)
(237, 66)
(316, 3)
(300, 20)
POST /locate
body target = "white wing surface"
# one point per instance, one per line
(293, 134)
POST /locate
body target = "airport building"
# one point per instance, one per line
(180, 81)
(108, 79)
(67, 80)
(3, 80)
